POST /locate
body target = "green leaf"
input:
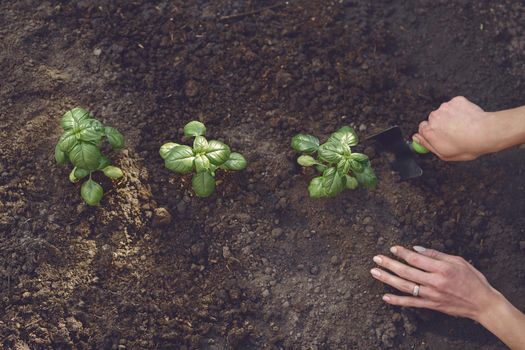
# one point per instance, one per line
(67, 141)
(202, 163)
(333, 183)
(320, 167)
(357, 167)
(113, 172)
(91, 192)
(345, 135)
(81, 173)
(315, 188)
(367, 178)
(351, 182)
(115, 138)
(331, 152)
(212, 169)
(60, 156)
(73, 117)
(72, 176)
(200, 144)
(194, 128)
(306, 160)
(180, 159)
(203, 184)
(85, 155)
(217, 152)
(89, 132)
(236, 162)
(98, 126)
(305, 143)
(104, 162)
(343, 167)
(76, 174)
(166, 148)
(359, 157)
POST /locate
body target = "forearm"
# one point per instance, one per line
(505, 321)
(508, 128)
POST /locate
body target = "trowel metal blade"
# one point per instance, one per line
(391, 140)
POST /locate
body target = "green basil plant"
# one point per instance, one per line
(80, 144)
(204, 158)
(340, 167)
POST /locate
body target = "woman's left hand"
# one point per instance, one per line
(437, 281)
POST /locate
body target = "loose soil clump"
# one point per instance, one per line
(258, 265)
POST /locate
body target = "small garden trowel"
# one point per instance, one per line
(391, 140)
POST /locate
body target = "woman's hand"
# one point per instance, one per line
(447, 283)
(458, 130)
(451, 285)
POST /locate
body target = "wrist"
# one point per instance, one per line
(507, 128)
(503, 320)
(493, 307)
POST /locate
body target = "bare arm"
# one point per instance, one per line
(505, 321)
(460, 130)
(451, 285)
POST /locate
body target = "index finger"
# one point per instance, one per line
(418, 260)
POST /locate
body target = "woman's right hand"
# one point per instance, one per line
(460, 130)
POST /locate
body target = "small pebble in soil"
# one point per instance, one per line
(197, 249)
(266, 293)
(226, 253)
(246, 250)
(277, 232)
(161, 217)
(370, 151)
(314, 270)
(191, 88)
(334, 260)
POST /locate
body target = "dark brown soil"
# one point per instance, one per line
(258, 265)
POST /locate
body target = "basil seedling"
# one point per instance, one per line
(204, 158)
(80, 144)
(340, 167)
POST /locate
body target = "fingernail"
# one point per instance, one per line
(375, 272)
(393, 250)
(419, 248)
(386, 298)
(377, 259)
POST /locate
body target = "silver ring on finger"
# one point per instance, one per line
(415, 291)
